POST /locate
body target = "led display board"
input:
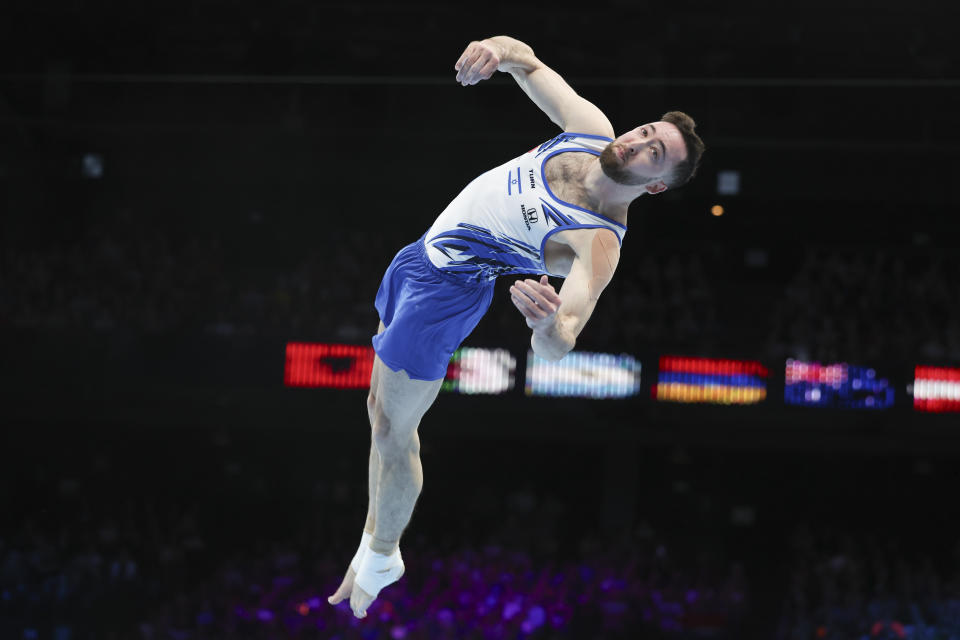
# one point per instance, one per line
(710, 381)
(474, 371)
(936, 389)
(582, 374)
(332, 366)
(838, 385)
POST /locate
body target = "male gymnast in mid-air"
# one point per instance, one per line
(560, 210)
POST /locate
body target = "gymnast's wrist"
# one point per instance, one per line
(550, 343)
(513, 54)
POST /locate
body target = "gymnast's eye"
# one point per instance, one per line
(643, 132)
(656, 152)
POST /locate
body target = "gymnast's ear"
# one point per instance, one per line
(656, 187)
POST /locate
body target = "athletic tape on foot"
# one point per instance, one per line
(361, 551)
(378, 570)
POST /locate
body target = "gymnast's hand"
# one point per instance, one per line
(537, 301)
(478, 62)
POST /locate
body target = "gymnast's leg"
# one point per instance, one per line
(373, 478)
(396, 404)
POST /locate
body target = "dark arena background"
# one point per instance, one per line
(757, 435)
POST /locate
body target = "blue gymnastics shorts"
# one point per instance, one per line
(427, 313)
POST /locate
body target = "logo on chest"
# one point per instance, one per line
(529, 216)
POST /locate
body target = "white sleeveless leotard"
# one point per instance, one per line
(500, 222)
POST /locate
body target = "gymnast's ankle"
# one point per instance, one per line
(379, 570)
(385, 547)
(361, 551)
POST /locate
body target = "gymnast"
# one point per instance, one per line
(560, 209)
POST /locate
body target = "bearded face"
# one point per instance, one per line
(616, 169)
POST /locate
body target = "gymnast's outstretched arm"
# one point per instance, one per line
(543, 85)
(558, 318)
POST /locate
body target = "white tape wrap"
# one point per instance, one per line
(361, 551)
(377, 571)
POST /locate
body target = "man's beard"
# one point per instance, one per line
(616, 171)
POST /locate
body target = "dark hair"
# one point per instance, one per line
(685, 170)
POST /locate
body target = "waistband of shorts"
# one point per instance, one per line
(455, 278)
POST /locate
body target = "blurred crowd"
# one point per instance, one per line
(137, 277)
(217, 536)
(160, 534)
(224, 545)
(870, 304)
(854, 584)
(106, 579)
(665, 300)
(835, 305)
(131, 276)
(117, 276)
(483, 593)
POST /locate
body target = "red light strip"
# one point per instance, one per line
(936, 389)
(332, 366)
(712, 366)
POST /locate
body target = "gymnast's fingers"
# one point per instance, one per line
(466, 71)
(488, 69)
(536, 295)
(547, 290)
(463, 62)
(524, 305)
(527, 305)
(462, 59)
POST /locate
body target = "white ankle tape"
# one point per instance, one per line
(378, 570)
(361, 551)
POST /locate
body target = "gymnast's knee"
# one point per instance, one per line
(393, 437)
(371, 406)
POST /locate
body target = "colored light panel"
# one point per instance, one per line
(936, 389)
(332, 366)
(475, 371)
(710, 381)
(582, 374)
(837, 385)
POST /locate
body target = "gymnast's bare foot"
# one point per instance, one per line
(376, 571)
(345, 589)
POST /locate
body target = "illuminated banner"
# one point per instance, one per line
(837, 385)
(335, 366)
(709, 380)
(480, 371)
(581, 374)
(936, 389)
